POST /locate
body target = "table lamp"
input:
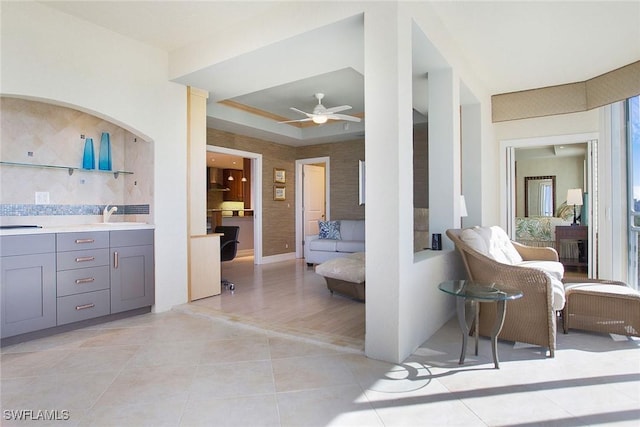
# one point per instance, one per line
(463, 207)
(574, 197)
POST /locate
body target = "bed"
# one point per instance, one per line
(541, 231)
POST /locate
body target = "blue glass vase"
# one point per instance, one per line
(88, 160)
(104, 161)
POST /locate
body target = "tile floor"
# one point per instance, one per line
(184, 369)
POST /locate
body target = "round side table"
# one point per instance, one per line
(467, 290)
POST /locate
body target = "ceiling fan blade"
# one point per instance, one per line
(338, 109)
(302, 112)
(343, 117)
(296, 121)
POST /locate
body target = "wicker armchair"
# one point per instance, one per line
(530, 319)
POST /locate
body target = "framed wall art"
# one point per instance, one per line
(279, 176)
(279, 193)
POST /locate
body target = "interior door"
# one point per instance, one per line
(313, 204)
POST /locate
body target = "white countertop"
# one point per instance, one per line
(111, 226)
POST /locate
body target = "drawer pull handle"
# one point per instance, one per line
(85, 258)
(85, 241)
(85, 306)
(86, 280)
(115, 259)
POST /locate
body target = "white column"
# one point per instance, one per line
(471, 157)
(389, 191)
(444, 153)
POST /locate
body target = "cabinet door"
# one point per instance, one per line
(28, 293)
(132, 280)
(236, 186)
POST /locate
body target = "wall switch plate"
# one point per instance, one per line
(42, 197)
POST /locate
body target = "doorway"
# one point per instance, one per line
(512, 184)
(313, 201)
(256, 193)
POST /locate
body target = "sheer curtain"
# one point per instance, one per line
(633, 187)
(546, 199)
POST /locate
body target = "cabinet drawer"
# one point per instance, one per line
(82, 240)
(82, 280)
(83, 259)
(74, 308)
(27, 244)
(572, 234)
(131, 238)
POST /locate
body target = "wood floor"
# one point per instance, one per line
(290, 298)
(287, 297)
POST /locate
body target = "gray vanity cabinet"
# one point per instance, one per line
(132, 270)
(55, 279)
(28, 287)
(83, 276)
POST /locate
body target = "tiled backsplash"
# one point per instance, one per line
(9, 209)
(44, 134)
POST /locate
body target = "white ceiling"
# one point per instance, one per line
(224, 161)
(552, 151)
(510, 45)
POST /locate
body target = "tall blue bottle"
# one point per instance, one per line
(88, 160)
(104, 161)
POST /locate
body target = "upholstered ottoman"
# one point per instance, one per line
(345, 276)
(602, 306)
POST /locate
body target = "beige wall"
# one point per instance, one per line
(569, 173)
(421, 166)
(278, 217)
(344, 175)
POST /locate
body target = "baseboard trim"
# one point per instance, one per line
(244, 252)
(278, 258)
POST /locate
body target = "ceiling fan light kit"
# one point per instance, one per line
(321, 114)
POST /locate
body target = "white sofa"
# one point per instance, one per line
(317, 250)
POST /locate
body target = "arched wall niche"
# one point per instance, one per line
(82, 109)
(44, 132)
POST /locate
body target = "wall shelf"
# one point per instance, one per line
(70, 169)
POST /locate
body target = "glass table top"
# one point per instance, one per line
(479, 291)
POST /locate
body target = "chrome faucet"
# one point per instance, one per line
(106, 213)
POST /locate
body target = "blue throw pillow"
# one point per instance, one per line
(329, 230)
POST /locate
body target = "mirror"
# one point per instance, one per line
(539, 195)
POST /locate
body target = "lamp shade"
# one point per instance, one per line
(574, 196)
(463, 207)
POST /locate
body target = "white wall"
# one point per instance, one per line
(564, 124)
(53, 56)
(50, 56)
(404, 306)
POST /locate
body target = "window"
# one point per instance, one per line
(633, 188)
(546, 199)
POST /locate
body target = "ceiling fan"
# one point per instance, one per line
(321, 114)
